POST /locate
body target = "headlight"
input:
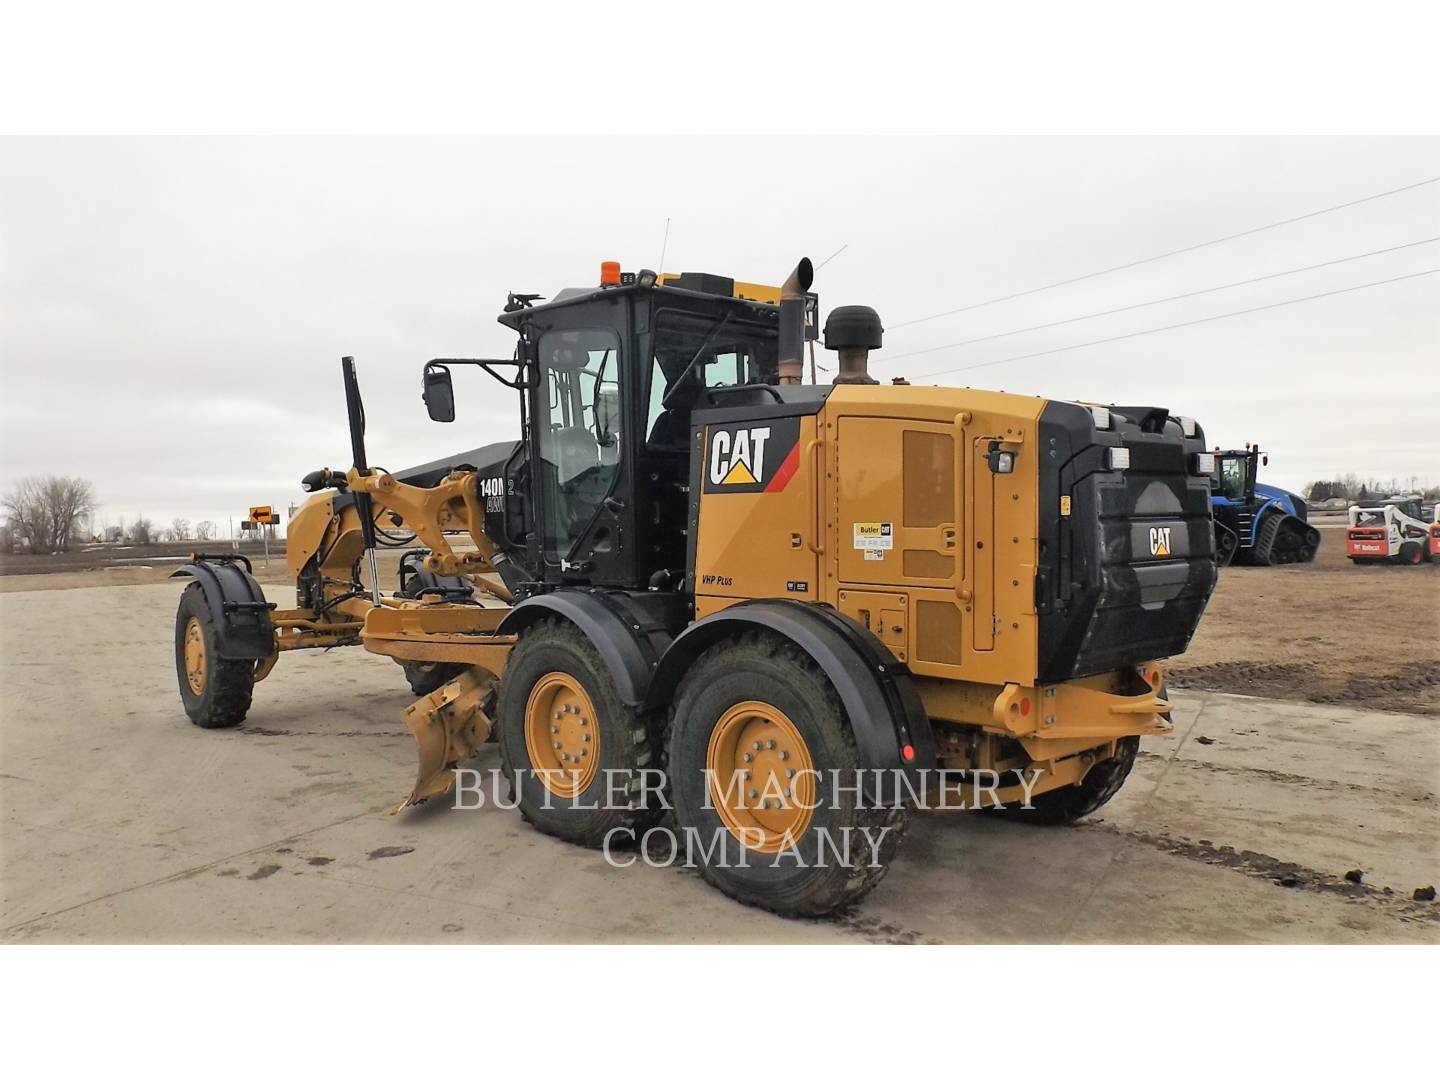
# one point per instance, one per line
(1101, 416)
(1119, 457)
(1204, 464)
(1187, 425)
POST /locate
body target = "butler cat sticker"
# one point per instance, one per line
(759, 455)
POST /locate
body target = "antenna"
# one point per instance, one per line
(837, 251)
(664, 244)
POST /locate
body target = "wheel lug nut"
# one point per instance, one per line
(582, 752)
(784, 755)
(747, 756)
(557, 746)
(583, 721)
(554, 729)
(789, 773)
(755, 745)
(771, 744)
(754, 794)
(586, 736)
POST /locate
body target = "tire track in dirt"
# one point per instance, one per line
(1285, 874)
(1291, 778)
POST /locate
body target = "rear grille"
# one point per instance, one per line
(1126, 576)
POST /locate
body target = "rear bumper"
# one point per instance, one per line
(1366, 544)
(1043, 718)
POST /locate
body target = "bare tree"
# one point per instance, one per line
(142, 531)
(205, 530)
(114, 534)
(46, 511)
(179, 529)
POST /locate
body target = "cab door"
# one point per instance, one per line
(578, 461)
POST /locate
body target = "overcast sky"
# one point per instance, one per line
(172, 311)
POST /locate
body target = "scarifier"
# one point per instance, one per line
(691, 562)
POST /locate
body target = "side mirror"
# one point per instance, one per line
(439, 394)
(1265, 459)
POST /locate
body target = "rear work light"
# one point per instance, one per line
(1119, 457)
(1101, 416)
(1204, 464)
(1187, 425)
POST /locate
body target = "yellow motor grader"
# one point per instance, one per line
(809, 608)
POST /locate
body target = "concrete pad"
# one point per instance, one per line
(122, 822)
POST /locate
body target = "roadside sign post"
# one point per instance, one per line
(264, 517)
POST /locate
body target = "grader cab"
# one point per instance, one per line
(792, 612)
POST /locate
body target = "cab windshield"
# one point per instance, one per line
(1232, 477)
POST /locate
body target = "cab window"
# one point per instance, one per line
(1232, 478)
(730, 353)
(579, 431)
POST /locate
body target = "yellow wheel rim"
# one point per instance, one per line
(562, 735)
(195, 656)
(761, 778)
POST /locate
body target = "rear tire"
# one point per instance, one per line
(1066, 805)
(745, 691)
(1411, 554)
(555, 670)
(216, 693)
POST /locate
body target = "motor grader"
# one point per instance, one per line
(810, 608)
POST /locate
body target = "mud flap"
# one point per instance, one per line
(449, 725)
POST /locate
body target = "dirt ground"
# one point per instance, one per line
(123, 822)
(1331, 632)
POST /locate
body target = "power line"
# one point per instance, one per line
(1162, 300)
(1168, 254)
(1177, 326)
(837, 251)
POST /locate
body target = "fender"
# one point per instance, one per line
(880, 700)
(627, 639)
(416, 581)
(1260, 515)
(242, 615)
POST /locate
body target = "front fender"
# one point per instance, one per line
(242, 615)
(631, 648)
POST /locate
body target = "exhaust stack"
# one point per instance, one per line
(792, 322)
(853, 332)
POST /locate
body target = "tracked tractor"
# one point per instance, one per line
(1257, 524)
(791, 613)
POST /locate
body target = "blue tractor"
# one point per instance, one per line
(1256, 524)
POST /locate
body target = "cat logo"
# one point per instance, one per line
(738, 456)
(1160, 541)
(750, 457)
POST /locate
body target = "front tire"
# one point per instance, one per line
(216, 693)
(763, 769)
(427, 678)
(571, 749)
